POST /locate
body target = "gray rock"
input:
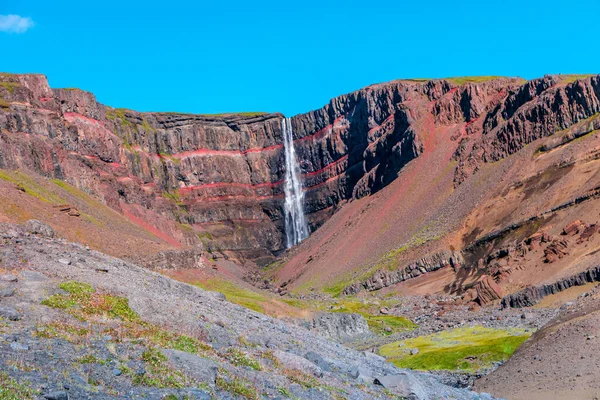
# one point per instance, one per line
(9, 313)
(7, 292)
(318, 360)
(64, 261)
(39, 228)
(10, 231)
(199, 368)
(341, 326)
(399, 384)
(362, 375)
(19, 346)
(117, 372)
(414, 351)
(293, 361)
(9, 278)
(58, 395)
(200, 394)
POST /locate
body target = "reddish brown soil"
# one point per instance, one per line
(557, 363)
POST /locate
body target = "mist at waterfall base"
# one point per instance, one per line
(296, 228)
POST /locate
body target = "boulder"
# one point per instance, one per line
(341, 326)
(199, 368)
(574, 228)
(556, 250)
(487, 290)
(39, 228)
(296, 362)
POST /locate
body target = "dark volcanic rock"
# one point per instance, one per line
(384, 278)
(532, 295)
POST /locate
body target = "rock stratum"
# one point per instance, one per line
(222, 175)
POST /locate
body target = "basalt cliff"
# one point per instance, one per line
(216, 181)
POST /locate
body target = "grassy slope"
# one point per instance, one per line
(25, 195)
(464, 349)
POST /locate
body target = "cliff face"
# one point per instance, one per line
(216, 180)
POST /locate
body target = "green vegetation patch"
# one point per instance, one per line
(10, 389)
(68, 332)
(10, 86)
(29, 186)
(235, 294)
(115, 114)
(3, 103)
(237, 386)
(239, 358)
(159, 373)
(389, 324)
(82, 301)
(461, 80)
(380, 324)
(462, 349)
(570, 78)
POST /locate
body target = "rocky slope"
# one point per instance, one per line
(75, 323)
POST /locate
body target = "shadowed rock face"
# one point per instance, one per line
(216, 180)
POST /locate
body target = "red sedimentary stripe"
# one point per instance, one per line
(322, 183)
(44, 99)
(228, 184)
(328, 166)
(150, 228)
(231, 198)
(69, 116)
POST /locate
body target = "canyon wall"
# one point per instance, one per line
(215, 181)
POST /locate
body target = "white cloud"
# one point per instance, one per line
(15, 23)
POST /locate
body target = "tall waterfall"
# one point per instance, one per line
(296, 229)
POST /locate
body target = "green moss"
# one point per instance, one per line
(237, 386)
(10, 86)
(3, 103)
(238, 358)
(235, 294)
(465, 349)
(76, 288)
(10, 389)
(59, 301)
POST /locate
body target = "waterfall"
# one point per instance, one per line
(296, 228)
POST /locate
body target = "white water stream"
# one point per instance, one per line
(296, 228)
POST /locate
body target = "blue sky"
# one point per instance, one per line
(227, 56)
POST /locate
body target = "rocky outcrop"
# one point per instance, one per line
(487, 291)
(537, 109)
(384, 278)
(534, 294)
(341, 326)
